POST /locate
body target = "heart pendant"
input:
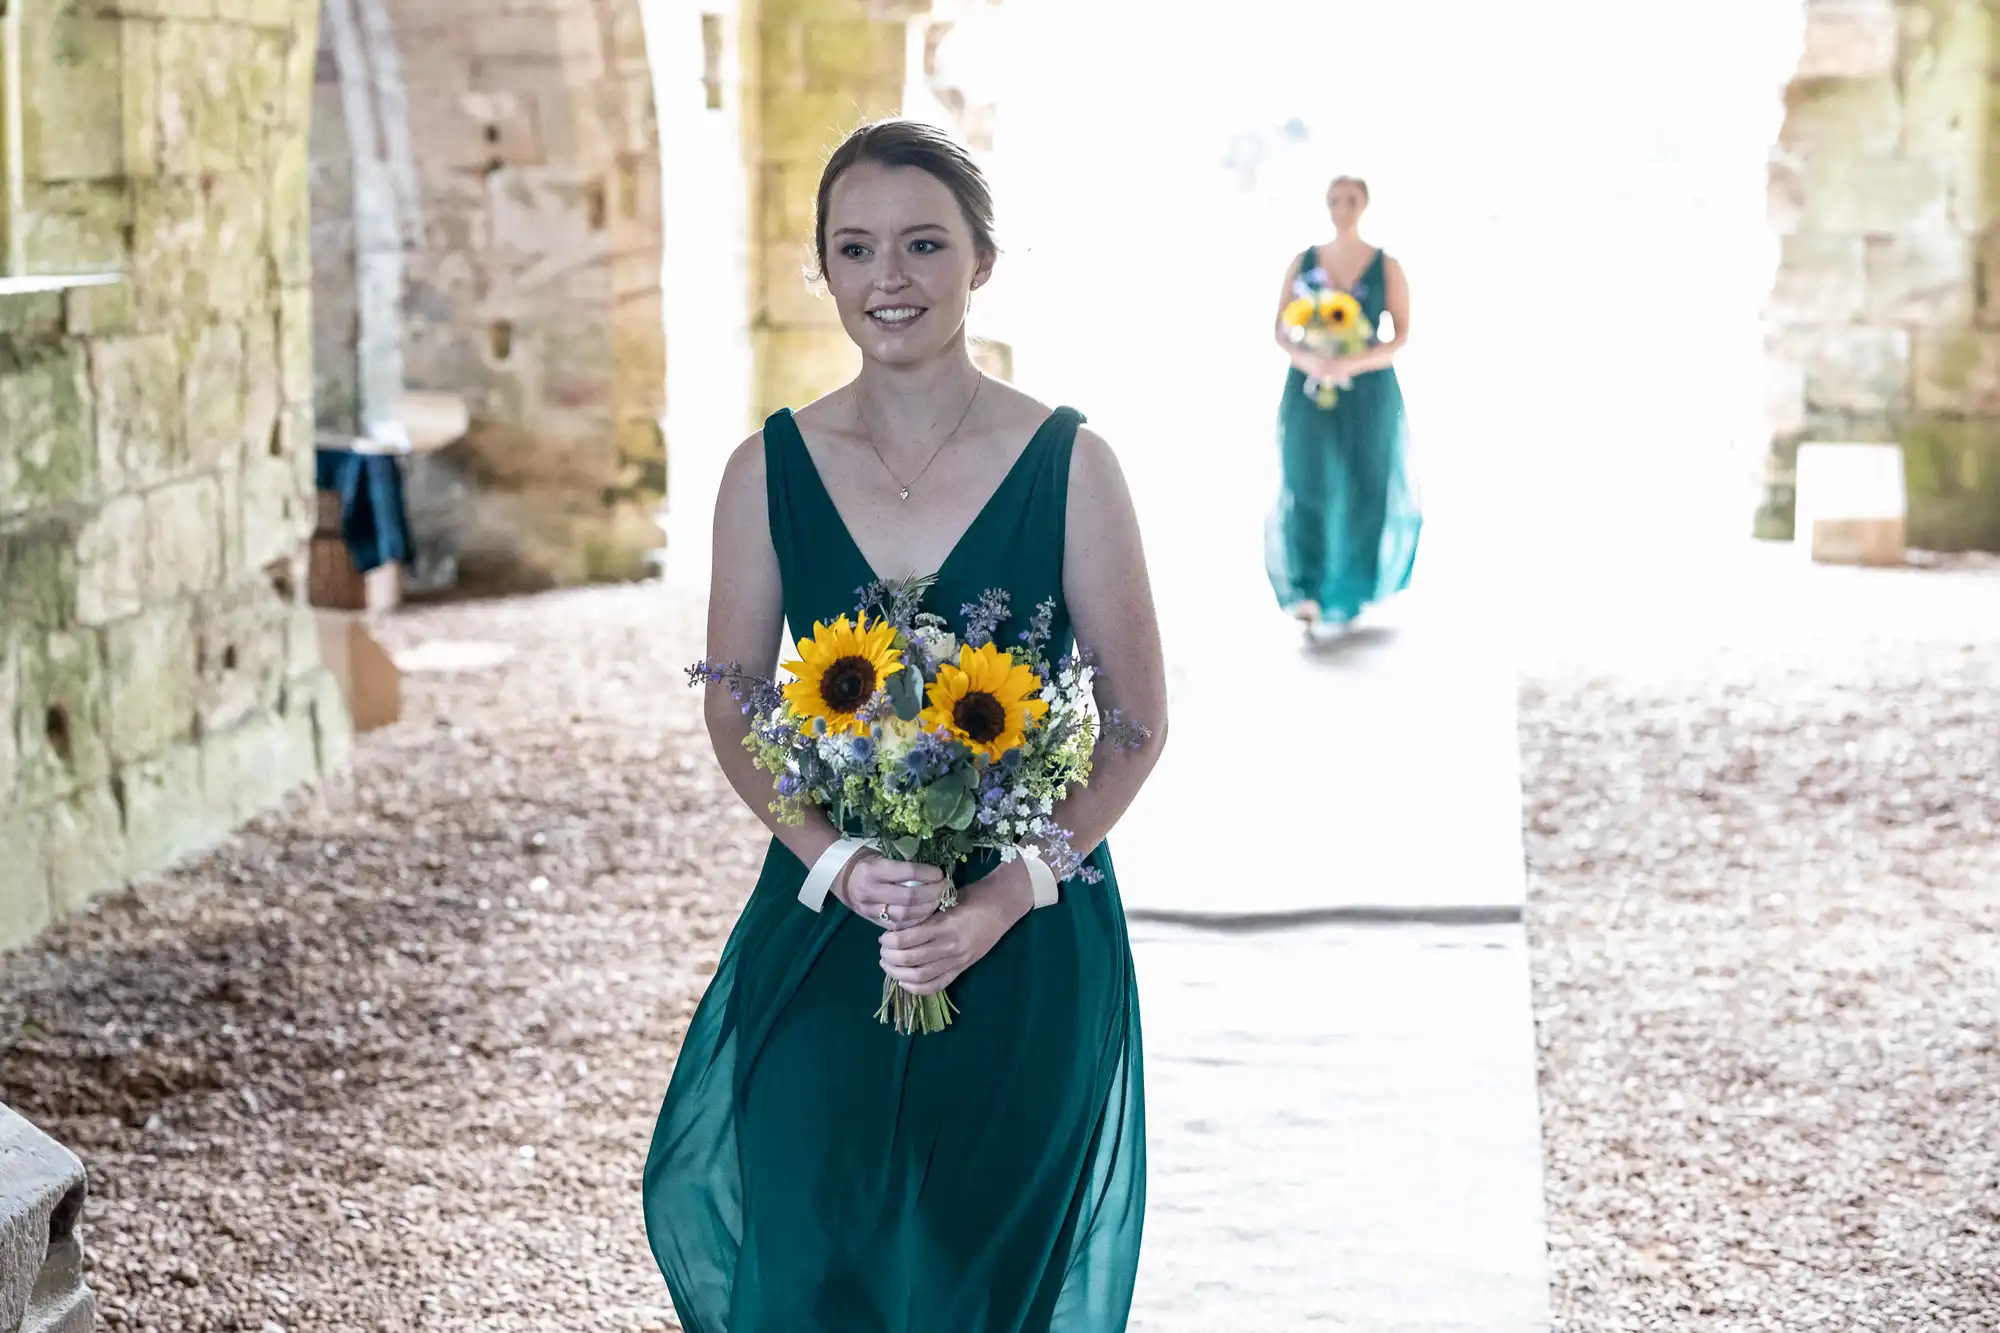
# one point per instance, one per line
(904, 492)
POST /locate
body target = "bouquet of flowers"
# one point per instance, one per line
(928, 748)
(1327, 322)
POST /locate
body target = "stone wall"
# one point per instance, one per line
(1885, 320)
(532, 282)
(813, 70)
(159, 676)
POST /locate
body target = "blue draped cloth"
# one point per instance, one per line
(372, 522)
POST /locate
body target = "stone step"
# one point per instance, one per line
(42, 1189)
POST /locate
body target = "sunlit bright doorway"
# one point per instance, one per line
(1582, 222)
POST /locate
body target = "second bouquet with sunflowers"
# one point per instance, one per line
(1329, 322)
(929, 748)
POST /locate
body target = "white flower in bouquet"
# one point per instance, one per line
(937, 644)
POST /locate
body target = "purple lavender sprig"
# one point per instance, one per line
(984, 617)
(708, 671)
(1063, 858)
(1041, 627)
(758, 694)
(1080, 657)
(1125, 735)
(765, 697)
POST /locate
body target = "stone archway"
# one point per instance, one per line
(535, 290)
(514, 160)
(488, 224)
(359, 204)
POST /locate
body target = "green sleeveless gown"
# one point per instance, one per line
(814, 1172)
(1344, 530)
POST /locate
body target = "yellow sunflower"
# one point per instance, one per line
(1339, 310)
(840, 668)
(987, 700)
(1300, 312)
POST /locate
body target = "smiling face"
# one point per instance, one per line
(1346, 201)
(901, 261)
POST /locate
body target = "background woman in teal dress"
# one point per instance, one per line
(1343, 534)
(812, 1171)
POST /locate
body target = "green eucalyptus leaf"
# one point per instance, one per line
(962, 814)
(906, 692)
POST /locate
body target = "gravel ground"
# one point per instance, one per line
(388, 1060)
(1765, 909)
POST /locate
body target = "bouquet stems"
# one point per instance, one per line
(1325, 393)
(914, 1013)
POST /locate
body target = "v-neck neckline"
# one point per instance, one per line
(847, 531)
(1366, 269)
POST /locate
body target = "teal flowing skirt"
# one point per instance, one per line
(814, 1172)
(1344, 530)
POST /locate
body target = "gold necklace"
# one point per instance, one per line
(868, 434)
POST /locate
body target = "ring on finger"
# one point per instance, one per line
(883, 915)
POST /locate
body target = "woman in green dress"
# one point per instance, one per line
(1343, 534)
(812, 1171)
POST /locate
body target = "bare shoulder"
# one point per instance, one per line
(1104, 558)
(745, 468)
(739, 499)
(1094, 454)
(1392, 266)
(1096, 481)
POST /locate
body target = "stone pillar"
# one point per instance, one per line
(160, 678)
(813, 70)
(1884, 324)
(358, 235)
(41, 1260)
